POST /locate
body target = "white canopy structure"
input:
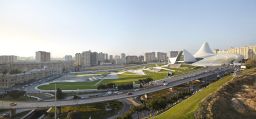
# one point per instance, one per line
(183, 56)
(204, 51)
(220, 59)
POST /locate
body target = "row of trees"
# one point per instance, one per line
(250, 63)
(156, 104)
(123, 86)
(114, 86)
(13, 71)
(145, 81)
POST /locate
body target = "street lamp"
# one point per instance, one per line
(55, 110)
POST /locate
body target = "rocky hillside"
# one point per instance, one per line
(236, 100)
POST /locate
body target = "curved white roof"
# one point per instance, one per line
(220, 59)
(204, 51)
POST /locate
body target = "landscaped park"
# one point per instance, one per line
(127, 76)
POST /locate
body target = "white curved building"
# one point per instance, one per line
(220, 59)
(204, 51)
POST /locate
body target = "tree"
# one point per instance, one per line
(250, 63)
(16, 93)
(158, 103)
(74, 115)
(75, 97)
(15, 71)
(5, 71)
(59, 94)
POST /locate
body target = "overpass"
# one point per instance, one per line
(172, 81)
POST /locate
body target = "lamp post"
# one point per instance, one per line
(55, 110)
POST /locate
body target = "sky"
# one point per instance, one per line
(66, 27)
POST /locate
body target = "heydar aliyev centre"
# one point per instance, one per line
(205, 57)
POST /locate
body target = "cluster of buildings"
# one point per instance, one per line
(206, 57)
(155, 57)
(44, 66)
(27, 71)
(249, 52)
(89, 58)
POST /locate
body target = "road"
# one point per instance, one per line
(172, 81)
(125, 108)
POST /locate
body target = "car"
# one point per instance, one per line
(165, 84)
(13, 104)
(129, 93)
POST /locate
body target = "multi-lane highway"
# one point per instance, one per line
(171, 82)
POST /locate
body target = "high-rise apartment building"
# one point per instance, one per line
(123, 59)
(42, 56)
(118, 59)
(78, 59)
(106, 56)
(101, 57)
(141, 58)
(94, 58)
(6, 59)
(161, 56)
(86, 58)
(132, 60)
(150, 57)
(68, 58)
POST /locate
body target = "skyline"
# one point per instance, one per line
(132, 27)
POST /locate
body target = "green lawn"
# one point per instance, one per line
(124, 78)
(128, 78)
(186, 109)
(70, 85)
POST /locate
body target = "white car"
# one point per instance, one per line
(165, 84)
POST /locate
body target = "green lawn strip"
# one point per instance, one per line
(156, 75)
(69, 85)
(124, 79)
(85, 75)
(127, 78)
(186, 109)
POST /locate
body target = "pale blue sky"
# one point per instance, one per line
(129, 26)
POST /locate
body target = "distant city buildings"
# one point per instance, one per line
(141, 59)
(94, 59)
(118, 59)
(68, 58)
(123, 58)
(6, 59)
(150, 57)
(101, 58)
(29, 71)
(86, 58)
(249, 52)
(78, 59)
(161, 56)
(42, 56)
(132, 59)
(89, 58)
